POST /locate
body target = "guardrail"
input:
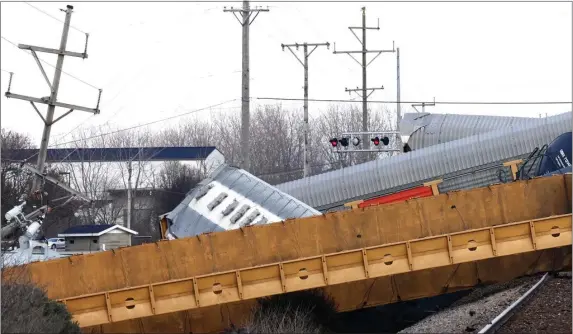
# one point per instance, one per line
(320, 271)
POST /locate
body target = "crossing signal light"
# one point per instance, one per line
(334, 142)
(344, 142)
(377, 140)
(355, 141)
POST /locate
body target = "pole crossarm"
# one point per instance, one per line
(53, 103)
(54, 51)
(357, 90)
(424, 105)
(368, 51)
(297, 45)
(243, 12)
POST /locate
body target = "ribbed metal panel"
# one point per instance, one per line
(202, 210)
(462, 158)
(425, 129)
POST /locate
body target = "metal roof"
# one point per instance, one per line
(231, 198)
(464, 163)
(425, 129)
(81, 229)
(114, 154)
(94, 230)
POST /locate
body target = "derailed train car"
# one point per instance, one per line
(464, 163)
(228, 199)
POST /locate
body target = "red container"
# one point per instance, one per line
(398, 197)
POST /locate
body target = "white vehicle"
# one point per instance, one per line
(54, 243)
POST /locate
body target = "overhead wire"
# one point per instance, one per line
(45, 62)
(55, 18)
(419, 102)
(148, 123)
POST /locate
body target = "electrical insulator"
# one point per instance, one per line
(344, 142)
(334, 142)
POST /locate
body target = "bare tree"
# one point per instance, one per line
(338, 119)
(93, 178)
(14, 181)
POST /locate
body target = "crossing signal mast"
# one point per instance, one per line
(381, 141)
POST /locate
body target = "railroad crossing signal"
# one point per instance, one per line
(377, 138)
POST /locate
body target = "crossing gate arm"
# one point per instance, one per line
(320, 271)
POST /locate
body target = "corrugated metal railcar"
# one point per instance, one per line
(464, 163)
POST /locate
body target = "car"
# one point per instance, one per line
(54, 243)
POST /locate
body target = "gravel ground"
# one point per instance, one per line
(548, 310)
(472, 312)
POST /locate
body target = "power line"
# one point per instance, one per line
(55, 18)
(125, 129)
(146, 124)
(45, 62)
(414, 102)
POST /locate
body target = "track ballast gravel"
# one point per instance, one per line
(472, 312)
(548, 310)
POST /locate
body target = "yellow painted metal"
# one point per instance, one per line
(434, 185)
(353, 204)
(320, 271)
(513, 167)
(231, 251)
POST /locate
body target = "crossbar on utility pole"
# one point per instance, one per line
(424, 105)
(364, 65)
(245, 22)
(306, 169)
(54, 86)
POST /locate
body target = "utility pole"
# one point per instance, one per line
(51, 101)
(364, 65)
(129, 194)
(398, 106)
(305, 65)
(245, 22)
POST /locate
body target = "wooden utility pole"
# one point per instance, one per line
(51, 101)
(306, 169)
(364, 65)
(245, 22)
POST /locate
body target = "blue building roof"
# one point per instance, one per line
(114, 154)
(85, 229)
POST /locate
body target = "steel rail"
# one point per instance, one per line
(506, 314)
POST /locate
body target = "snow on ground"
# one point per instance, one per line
(21, 256)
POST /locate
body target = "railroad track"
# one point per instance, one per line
(518, 305)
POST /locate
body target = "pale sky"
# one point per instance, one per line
(155, 60)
